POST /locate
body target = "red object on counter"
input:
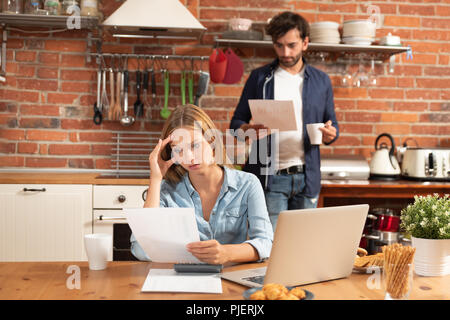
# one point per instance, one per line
(235, 68)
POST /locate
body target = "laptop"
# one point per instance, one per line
(310, 245)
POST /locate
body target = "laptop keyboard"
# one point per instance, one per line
(255, 279)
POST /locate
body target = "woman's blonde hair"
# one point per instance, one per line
(192, 117)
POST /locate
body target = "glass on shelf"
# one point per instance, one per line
(372, 76)
(12, 6)
(32, 6)
(52, 7)
(89, 8)
(70, 7)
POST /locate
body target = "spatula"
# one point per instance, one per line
(165, 112)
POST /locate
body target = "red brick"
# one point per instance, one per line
(103, 164)
(427, 35)
(443, 11)
(405, 82)
(39, 123)
(11, 161)
(43, 149)
(421, 59)
(355, 128)
(46, 135)
(355, 93)
(49, 58)
(424, 10)
(95, 136)
(26, 71)
(68, 149)
(401, 21)
(392, 128)
(432, 83)
(25, 147)
(12, 134)
(64, 45)
(73, 60)
(81, 163)
(6, 147)
(407, 70)
(386, 93)
(79, 75)
(40, 110)
(41, 85)
(61, 98)
(398, 117)
(81, 87)
(25, 56)
(10, 120)
(71, 124)
(435, 23)
(347, 7)
(422, 94)
(47, 73)
(424, 129)
(21, 96)
(347, 141)
(42, 162)
(373, 105)
(340, 104)
(367, 117)
(101, 149)
(410, 106)
(437, 71)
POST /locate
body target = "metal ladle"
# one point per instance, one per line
(126, 120)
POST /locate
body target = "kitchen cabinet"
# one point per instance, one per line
(44, 222)
(395, 195)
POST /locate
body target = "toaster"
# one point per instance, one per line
(426, 164)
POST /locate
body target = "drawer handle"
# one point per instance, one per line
(102, 218)
(144, 195)
(34, 190)
(122, 198)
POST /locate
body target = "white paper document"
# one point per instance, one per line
(168, 280)
(163, 233)
(274, 114)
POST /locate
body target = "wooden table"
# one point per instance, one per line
(124, 280)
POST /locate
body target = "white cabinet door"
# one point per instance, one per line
(47, 223)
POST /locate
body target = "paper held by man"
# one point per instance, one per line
(274, 114)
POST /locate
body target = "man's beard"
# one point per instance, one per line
(290, 62)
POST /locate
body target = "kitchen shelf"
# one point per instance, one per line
(337, 50)
(16, 20)
(12, 21)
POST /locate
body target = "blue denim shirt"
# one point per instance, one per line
(239, 214)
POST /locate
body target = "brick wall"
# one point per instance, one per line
(46, 105)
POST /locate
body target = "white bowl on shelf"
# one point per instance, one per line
(240, 24)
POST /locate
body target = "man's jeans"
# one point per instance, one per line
(286, 193)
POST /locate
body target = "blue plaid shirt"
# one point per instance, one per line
(239, 214)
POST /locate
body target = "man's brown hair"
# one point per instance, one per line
(286, 21)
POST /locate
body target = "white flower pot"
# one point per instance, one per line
(432, 257)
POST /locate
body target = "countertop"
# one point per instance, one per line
(124, 280)
(96, 178)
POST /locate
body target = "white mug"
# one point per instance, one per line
(98, 247)
(315, 135)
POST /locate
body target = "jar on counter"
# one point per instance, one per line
(12, 6)
(32, 6)
(69, 7)
(89, 8)
(53, 7)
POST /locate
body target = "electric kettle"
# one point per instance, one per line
(384, 165)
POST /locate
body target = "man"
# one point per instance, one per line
(296, 183)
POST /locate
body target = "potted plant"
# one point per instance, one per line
(427, 220)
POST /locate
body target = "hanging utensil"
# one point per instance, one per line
(111, 89)
(165, 112)
(191, 83)
(104, 101)
(126, 120)
(117, 108)
(97, 113)
(138, 105)
(183, 87)
(145, 100)
(203, 83)
(153, 79)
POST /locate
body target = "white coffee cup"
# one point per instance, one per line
(315, 135)
(98, 247)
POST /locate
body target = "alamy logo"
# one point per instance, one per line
(74, 280)
(74, 21)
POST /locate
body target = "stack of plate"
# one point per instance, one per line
(358, 32)
(325, 32)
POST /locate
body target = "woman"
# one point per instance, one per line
(189, 168)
